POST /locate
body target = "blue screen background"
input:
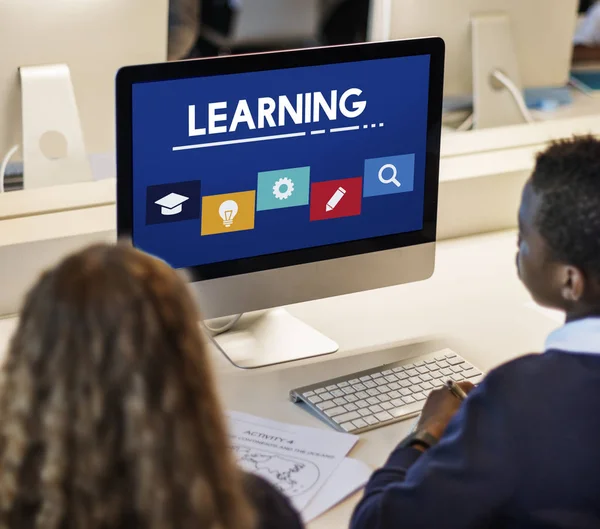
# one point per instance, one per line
(396, 91)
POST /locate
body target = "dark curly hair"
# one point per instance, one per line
(567, 181)
(109, 417)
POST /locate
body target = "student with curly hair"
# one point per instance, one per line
(109, 416)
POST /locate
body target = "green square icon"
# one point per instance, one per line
(284, 188)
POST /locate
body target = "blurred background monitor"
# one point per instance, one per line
(80, 45)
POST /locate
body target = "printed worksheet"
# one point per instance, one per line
(295, 459)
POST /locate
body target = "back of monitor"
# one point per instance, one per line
(94, 38)
(542, 34)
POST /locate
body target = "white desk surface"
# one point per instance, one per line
(474, 304)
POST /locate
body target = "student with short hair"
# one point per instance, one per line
(522, 450)
(109, 416)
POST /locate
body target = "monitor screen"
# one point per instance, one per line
(237, 166)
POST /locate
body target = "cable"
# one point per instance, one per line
(516, 94)
(220, 330)
(4, 165)
(467, 124)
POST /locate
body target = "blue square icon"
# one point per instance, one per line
(285, 188)
(389, 175)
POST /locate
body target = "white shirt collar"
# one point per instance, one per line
(580, 336)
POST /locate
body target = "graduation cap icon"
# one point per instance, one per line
(172, 204)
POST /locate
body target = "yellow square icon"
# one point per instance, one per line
(227, 213)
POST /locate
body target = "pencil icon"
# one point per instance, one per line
(335, 199)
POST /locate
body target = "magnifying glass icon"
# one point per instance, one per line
(391, 179)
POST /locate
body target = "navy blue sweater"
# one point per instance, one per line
(522, 452)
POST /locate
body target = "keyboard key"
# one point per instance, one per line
(326, 396)
(419, 364)
(391, 378)
(456, 369)
(386, 405)
(405, 392)
(359, 387)
(362, 404)
(309, 394)
(337, 393)
(373, 392)
(315, 399)
(415, 381)
(340, 401)
(348, 426)
(331, 388)
(429, 362)
(365, 378)
(398, 369)
(351, 398)
(408, 400)
(394, 394)
(319, 391)
(349, 390)
(360, 423)
(375, 376)
(375, 409)
(442, 364)
(422, 370)
(384, 388)
(403, 375)
(455, 361)
(419, 396)
(405, 383)
(371, 420)
(362, 394)
(343, 385)
(406, 410)
(326, 405)
(370, 384)
(351, 407)
(426, 377)
(436, 373)
(394, 386)
(383, 398)
(350, 416)
(476, 380)
(397, 403)
(470, 373)
(450, 355)
(412, 372)
(427, 386)
(387, 372)
(353, 381)
(332, 412)
(364, 413)
(373, 400)
(383, 416)
(447, 372)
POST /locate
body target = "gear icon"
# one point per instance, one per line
(286, 192)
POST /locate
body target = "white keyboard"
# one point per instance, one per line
(384, 395)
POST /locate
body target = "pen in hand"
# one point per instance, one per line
(456, 390)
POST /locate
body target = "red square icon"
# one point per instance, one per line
(336, 198)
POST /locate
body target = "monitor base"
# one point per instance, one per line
(270, 338)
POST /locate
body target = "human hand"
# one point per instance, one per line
(439, 409)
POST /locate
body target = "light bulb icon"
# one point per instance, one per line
(228, 210)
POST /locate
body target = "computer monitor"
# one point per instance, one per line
(280, 178)
(530, 42)
(46, 45)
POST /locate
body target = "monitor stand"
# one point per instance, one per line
(272, 337)
(493, 50)
(53, 147)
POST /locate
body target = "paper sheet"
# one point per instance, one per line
(295, 459)
(350, 476)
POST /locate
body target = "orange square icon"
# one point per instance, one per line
(228, 213)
